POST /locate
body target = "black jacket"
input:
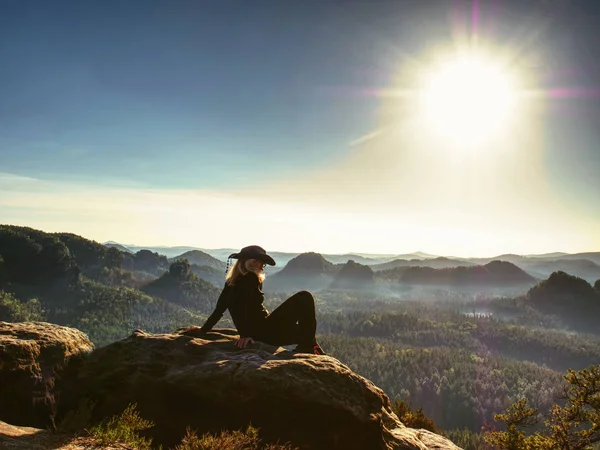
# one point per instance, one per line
(245, 303)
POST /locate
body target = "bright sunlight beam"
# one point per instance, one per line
(468, 99)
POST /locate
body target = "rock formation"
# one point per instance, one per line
(32, 355)
(203, 381)
(195, 379)
(27, 438)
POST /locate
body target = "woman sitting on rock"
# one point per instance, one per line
(293, 322)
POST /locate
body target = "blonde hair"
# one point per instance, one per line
(242, 267)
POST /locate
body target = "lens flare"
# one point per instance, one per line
(468, 99)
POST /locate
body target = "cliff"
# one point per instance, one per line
(203, 381)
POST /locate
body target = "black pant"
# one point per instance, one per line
(293, 322)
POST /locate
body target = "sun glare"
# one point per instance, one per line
(468, 99)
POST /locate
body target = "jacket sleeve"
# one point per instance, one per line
(218, 312)
(252, 301)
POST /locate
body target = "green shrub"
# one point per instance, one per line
(13, 310)
(228, 440)
(413, 419)
(123, 430)
(574, 426)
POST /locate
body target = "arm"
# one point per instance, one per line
(218, 312)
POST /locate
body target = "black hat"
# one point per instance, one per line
(254, 252)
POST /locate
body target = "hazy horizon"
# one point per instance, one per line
(466, 128)
(350, 252)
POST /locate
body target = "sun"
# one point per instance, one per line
(468, 99)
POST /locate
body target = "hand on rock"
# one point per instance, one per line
(194, 331)
(243, 342)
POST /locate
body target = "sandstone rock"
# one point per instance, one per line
(203, 381)
(31, 356)
(27, 438)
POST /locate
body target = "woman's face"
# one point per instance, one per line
(255, 265)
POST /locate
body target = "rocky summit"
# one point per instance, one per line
(197, 380)
(203, 381)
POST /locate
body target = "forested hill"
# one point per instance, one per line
(435, 263)
(495, 273)
(69, 280)
(182, 287)
(571, 298)
(201, 259)
(204, 265)
(306, 271)
(353, 275)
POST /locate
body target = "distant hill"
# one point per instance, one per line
(169, 252)
(435, 263)
(417, 255)
(585, 265)
(504, 272)
(495, 273)
(150, 262)
(563, 290)
(374, 260)
(509, 257)
(342, 259)
(584, 268)
(210, 274)
(307, 263)
(353, 275)
(119, 247)
(570, 298)
(306, 271)
(221, 254)
(200, 258)
(182, 287)
(281, 258)
(547, 255)
(592, 256)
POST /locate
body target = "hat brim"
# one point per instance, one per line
(264, 258)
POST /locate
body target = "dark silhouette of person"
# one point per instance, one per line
(293, 322)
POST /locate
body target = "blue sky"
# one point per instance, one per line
(183, 86)
(112, 104)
